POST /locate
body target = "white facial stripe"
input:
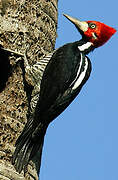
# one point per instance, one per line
(94, 36)
(82, 75)
(85, 46)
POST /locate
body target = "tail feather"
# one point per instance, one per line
(28, 144)
(26, 131)
(21, 159)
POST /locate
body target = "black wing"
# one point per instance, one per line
(64, 100)
(58, 76)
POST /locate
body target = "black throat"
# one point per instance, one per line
(85, 46)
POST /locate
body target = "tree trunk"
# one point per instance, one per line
(22, 23)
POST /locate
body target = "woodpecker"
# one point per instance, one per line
(59, 78)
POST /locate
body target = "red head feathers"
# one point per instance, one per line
(95, 32)
(98, 33)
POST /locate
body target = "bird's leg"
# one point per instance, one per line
(35, 72)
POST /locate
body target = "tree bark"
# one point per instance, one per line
(22, 23)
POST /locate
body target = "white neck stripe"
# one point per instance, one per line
(85, 46)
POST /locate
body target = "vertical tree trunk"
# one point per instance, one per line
(22, 23)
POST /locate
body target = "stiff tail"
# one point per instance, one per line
(27, 145)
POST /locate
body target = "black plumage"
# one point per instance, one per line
(56, 93)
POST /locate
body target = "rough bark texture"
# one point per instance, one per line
(22, 23)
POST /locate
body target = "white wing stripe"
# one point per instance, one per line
(82, 75)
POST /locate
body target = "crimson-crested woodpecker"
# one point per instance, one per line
(59, 78)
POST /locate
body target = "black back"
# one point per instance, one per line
(59, 74)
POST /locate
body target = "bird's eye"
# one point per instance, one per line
(92, 26)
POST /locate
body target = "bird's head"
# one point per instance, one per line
(93, 31)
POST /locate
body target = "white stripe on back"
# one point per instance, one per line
(82, 75)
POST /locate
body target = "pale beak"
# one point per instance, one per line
(82, 26)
